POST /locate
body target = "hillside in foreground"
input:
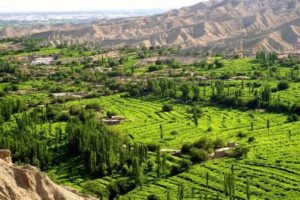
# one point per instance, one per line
(27, 183)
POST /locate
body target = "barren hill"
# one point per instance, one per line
(27, 183)
(216, 25)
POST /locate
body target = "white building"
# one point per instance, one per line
(42, 61)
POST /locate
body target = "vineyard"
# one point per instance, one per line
(128, 125)
(271, 162)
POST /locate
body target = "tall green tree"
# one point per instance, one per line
(185, 90)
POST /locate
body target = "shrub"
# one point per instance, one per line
(93, 187)
(158, 62)
(219, 143)
(236, 56)
(52, 112)
(251, 139)
(124, 186)
(93, 106)
(64, 117)
(204, 143)
(152, 147)
(274, 90)
(133, 91)
(186, 148)
(184, 164)
(150, 165)
(11, 87)
(225, 76)
(2, 93)
(141, 55)
(153, 197)
(175, 170)
(218, 64)
(278, 107)
(283, 85)
(113, 190)
(240, 151)
(167, 108)
(256, 84)
(75, 110)
(253, 103)
(198, 155)
(209, 129)
(153, 68)
(296, 109)
(174, 133)
(110, 114)
(293, 118)
(240, 134)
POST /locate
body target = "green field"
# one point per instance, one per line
(53, 116)
(271, 163)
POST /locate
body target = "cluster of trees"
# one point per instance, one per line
(267, 58)
(35, 141)
(290, 61)
(144, 52)
(160, 87)
(208, 66)
(27, 141)
(221, 93)
(9, 106)
(29, 45)
(154, 68)
(5, 67)
(199, 150)
(104, 152)
(169, 62)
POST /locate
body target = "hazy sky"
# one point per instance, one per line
(68, 5)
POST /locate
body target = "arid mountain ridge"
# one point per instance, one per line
(216, 25)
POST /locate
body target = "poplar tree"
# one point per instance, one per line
(180, 193)
(268, 125)
(158, 162)
(248, 193)
(161, 132)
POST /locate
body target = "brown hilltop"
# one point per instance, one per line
(217, 25)
(28, 183)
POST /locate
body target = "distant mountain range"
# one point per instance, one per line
(216, 25)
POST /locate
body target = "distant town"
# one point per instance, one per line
(74, 16)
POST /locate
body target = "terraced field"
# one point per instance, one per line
(272, 166)
(271, 163)
(143, 117)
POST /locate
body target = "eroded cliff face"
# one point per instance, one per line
(216, 25)
(28, 183)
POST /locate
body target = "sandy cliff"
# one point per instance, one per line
(28, 183)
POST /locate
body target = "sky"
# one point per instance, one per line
(86, 5)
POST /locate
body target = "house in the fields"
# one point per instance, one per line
(111, 121)
(200, 78)
(241, 78)
(114, 120)
(42, 61)
(221, 152)
(232, 144)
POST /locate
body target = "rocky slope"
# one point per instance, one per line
(216, 25)
(27, 183)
